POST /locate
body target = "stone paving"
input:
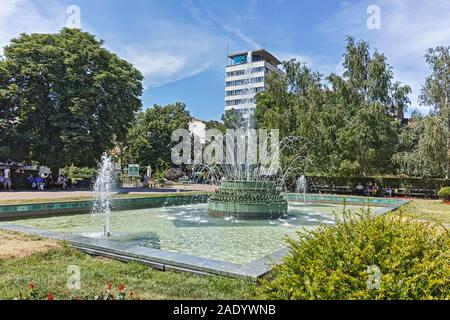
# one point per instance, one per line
(59, 194)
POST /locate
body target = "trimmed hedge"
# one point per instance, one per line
(342, 261)
(444, 193)
(394, 182)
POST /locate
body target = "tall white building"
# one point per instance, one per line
(246, 75)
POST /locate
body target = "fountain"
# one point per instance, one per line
(247, 191)
(103, 190)
(301, 187)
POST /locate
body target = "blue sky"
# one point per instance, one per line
(180, 46)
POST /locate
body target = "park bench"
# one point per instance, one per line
(423, 193)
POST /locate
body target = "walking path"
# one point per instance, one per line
(58, 194)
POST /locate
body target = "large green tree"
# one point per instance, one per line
(149, 141)
(436, 91)
(64, 97)
(424, 155)
(350, 121)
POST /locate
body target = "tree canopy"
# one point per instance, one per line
(351, 121)
(64, 97)
(149, 141)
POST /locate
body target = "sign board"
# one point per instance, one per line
(239, 59)
(133, 170)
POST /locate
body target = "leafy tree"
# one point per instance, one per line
(348, 121)
(68, 96)
(368, 141)
(236, 119)
(149, 140)
(436, 91)
(425, 156)
(216, 125)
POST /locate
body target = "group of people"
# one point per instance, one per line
(41, 182)
(373, 190)
(11, 180)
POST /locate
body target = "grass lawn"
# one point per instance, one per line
(431, 210)
(47, 270)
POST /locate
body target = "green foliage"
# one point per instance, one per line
(236, 119)
(444, 193)
(69, 95)
(427, 155)
(332, 262)
(216, 125)
(149, 141)
(436, 91)
(78, 173)
(349, 122)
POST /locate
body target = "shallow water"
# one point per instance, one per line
(188, 229)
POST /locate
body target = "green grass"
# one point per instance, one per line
(48, 272)
(430, 210)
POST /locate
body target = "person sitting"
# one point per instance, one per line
(40, 183)
(375, 190)
(61, 181)
(30, 181)
(389, 191)
(359, 189)
(368, 190)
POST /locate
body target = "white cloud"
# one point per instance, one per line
(174, 51)
(26, 16)
(408, 29)
(319, 63)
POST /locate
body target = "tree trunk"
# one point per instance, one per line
(55, 172)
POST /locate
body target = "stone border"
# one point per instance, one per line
(157, 258)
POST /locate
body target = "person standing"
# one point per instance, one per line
(7, 178)
(2, 179)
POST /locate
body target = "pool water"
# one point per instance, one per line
(188, 229)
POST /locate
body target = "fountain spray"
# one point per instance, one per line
(103, 189)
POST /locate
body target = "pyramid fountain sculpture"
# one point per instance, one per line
(247, 200)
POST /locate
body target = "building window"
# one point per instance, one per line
(242, 82)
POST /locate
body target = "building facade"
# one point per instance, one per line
(246, 75)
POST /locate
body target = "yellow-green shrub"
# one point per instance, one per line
(444, 193)
(332, 262)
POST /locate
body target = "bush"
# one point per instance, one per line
(444, 193)
(78, 173)
(340, 262)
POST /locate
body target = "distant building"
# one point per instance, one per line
(198, 127)
(246, 76)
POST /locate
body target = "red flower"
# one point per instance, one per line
(121, 288)
(31, 285)
(131, 294)
(109, 286)
(50, 296)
